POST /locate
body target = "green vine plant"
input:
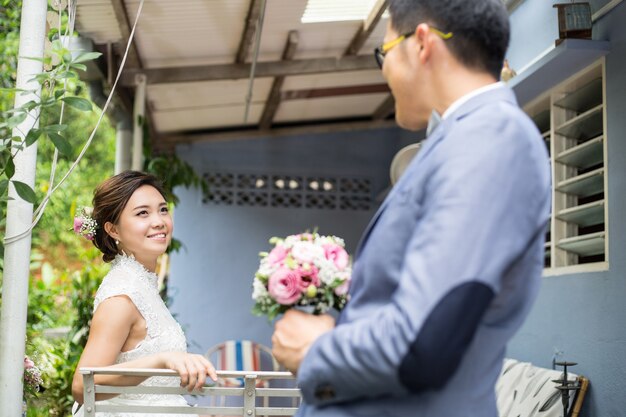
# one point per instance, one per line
(53, 89)
(54, 92)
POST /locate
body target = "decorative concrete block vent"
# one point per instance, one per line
(524, 390)
(289, 191)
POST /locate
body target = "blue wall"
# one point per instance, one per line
(584, 315)
(211, 278)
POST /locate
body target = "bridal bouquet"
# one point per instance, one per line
(306, 271)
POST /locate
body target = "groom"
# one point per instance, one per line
(450, 265)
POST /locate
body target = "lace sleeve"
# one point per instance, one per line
(117, 283)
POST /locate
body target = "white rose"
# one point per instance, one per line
(258, 290)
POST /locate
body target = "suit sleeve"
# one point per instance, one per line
(486, 201)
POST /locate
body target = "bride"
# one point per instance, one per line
(131, 326)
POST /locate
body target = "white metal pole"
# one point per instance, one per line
(139, 119)
(20, 217)
(123, 145)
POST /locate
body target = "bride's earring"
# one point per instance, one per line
(117, 242)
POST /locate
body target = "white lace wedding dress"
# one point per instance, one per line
(128, 277)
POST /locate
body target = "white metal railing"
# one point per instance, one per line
(249, 393)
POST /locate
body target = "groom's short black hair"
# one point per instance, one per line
(480, 27)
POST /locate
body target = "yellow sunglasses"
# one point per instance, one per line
(381, 51)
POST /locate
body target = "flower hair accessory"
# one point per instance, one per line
(84, 224)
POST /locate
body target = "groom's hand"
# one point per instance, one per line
(295, 333)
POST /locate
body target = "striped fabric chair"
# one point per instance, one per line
(241, 355)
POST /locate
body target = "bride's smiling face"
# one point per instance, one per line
(145, 225)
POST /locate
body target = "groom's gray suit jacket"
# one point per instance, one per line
(444, 275)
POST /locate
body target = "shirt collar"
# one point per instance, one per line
(464, 99)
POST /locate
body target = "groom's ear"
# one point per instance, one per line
(111, 230)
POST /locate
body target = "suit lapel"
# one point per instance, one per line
(428, 144)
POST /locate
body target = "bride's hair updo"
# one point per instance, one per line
(109, 201)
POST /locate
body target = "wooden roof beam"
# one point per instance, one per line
(386, 109)
(252, 22)
(367, 28)
(315, 127)
(242, 71)
(133, 60)
(274, 99)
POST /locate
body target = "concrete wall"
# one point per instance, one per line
(211, 278)
(581, 315)
(584, 315)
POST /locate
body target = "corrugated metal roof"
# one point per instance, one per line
(206, 32)
(336, 11)
(95, 19)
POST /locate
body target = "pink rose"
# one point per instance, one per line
(343, 288)
(78, 224)
(28, 363)
(309, 276)
(337, 254)
(277, 255)
(285, 286)
(305, 252)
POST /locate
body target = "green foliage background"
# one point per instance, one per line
(66, 270)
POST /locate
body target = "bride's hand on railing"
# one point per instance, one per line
(192, 368)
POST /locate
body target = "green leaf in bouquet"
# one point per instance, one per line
(275, 310)
(275, 240)
(330, 299)
(261, 277)
(290, 262)
(258, 310)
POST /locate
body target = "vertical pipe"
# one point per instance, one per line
(19, 218)
(123, 145)
(139, 115)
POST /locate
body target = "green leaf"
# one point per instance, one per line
(61, 143)
(40, 78)
(87, 56)
(4, 184)
(32, 136)
(58, 94)
(9, 168)
(16, 120)
(29, 105)
(25, 192)
(67, 74)
(32, 58)
(55, 128)
(11, 90)
(78, 103)
(81, 67)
